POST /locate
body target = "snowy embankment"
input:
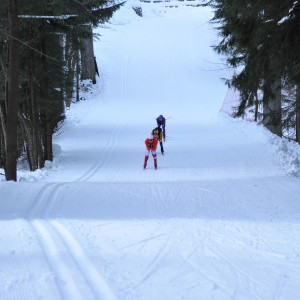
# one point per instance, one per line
(218, 220)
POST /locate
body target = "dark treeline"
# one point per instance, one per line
(46, 50)
(263, 39)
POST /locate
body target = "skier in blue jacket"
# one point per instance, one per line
(161, 122)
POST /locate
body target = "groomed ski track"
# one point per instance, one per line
(210, 223)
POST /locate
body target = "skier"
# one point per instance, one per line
(161, 122)
(159, 135)
(151, 144)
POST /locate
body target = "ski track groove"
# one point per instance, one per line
(153, 265)
(40, 208)
(279, 288)
(39, 203)
(188, 260)
(101, 162)
(143, 242)
(65, 282)
(44, 201)
(121, 117)
(104, 157)
(203, 239)
(51, 234)
(96, 282)
(237, 271)
(106, 154)
(206, 276)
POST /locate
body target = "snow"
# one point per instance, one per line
(219, 219)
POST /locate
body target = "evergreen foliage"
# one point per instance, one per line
(262, 39)
(50, 40)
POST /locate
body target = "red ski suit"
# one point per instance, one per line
(151, 144)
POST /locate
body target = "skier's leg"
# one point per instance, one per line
(155, 159)
(161, 147)
(146, 159)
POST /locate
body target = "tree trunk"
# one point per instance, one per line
(298, 114)
(48, 143)
(3, 130)
(13, 95)
(1, 147)
(28, 140)
(77, 72)
(272, 107)
(70, 70)
(34, 120)
(256, 108)
(87, 56)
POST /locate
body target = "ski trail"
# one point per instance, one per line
(122, 105)
(88, 174)
(44, 201)
(58, 257)
(144, 241)
(68, 263)
(233, 266)
(154, 264)
(279, 287)
(41, 206)
(97, 283)
(39, 203)
(65, 282)
(113, 137)
(237, 271)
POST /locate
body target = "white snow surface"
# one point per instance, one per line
(219, 219)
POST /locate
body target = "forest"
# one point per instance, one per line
(261, 41)
(46, 53)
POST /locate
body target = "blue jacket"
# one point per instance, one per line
(161, 122)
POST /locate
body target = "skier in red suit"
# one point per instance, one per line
(151, 144)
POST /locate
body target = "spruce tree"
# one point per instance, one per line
(33, 48)
(261, 38)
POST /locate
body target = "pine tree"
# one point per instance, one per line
(33, 48)
(261, 38)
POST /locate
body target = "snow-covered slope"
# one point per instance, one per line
(219, 219)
